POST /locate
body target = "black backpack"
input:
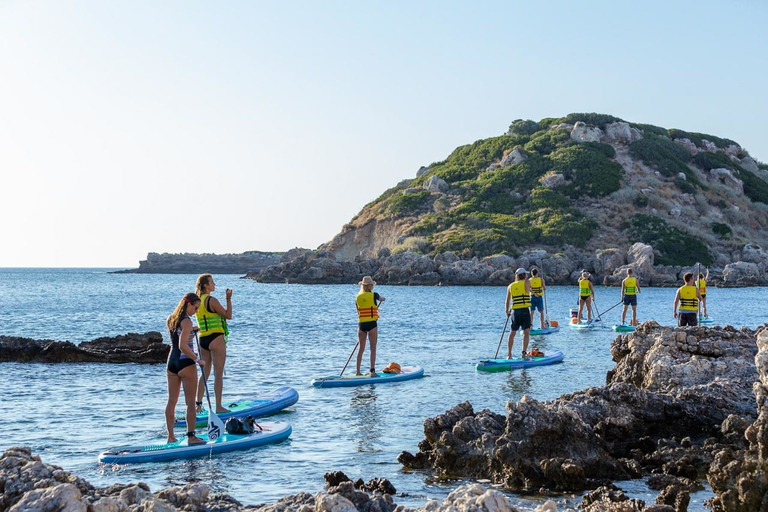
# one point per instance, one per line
(241, 427)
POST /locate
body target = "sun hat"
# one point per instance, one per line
(521, 270)
(367, 280)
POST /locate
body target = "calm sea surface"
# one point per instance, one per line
(287, 335)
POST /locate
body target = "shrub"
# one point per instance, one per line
(548, 122)
(649, 129)
(546, 198)
(675, 246)
(668, 157)
(590, 171)
(399, 204)
(684, 186)
(545, 142)
(698, 138)
(414, 244)
(721, 229)
(591, 118)
(641, 201)
(601, 147)
(466, 162)
(524, 127)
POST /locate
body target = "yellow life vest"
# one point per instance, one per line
(536, 285)
(209, 322)
(367, 311)
(701, 284)
(688, 299)
(584, 290)
(520, 299)
(630, 286)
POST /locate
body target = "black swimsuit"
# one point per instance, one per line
(178, 360)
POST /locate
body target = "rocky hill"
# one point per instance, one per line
(576, 184)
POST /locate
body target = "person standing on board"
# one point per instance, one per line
(519, 297)
(701, 284)
(586, 292)
(212, 319)
(629, 291)
(181, 369)
(367, 304)
(537, 295)
(688, 297)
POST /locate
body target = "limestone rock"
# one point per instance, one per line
(640, 257)
(742, 273)
(435, 185)
(128, 348)
(725, 177)
(583, 133)
(608, 260)
(552, 180)
(514, 157)
(688, 144)
(422, 171)
(621, 133)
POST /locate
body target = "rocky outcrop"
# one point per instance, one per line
(583, 133)
(408, 268)
(739, 478)
(675, 398)
(29, 485)
(189, 263)
(128, 348)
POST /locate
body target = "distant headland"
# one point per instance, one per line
(190, 263)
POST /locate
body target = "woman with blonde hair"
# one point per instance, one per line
(181, 369)
(367, 303)
(212, 319)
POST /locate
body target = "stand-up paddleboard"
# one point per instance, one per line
(623, 328)
(543, 332)
(271, 433)
(260, 405)
(334, 381)
(707, 320)
(500, 365)
(586, 325)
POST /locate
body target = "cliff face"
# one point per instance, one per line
(577, 184)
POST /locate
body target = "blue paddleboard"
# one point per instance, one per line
(260, 405)
(271, 433)
(542, 332)
(500, 365)
(623, 328)
(585, 325)
(707, 320)
(334, 381)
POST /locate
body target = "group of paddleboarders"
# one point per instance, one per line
(526, 295)
(181, 368)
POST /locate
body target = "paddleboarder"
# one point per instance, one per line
(629, 290)
(519, 297)
(688, 297)
(367, 304)
(701, 284)
(212, 319)
(181, 369)
(586, 292)
(538, 288)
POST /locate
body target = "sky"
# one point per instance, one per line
(223, 127)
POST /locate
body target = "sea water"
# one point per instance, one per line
(288, 335)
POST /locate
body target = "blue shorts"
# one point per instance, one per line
(630, 300)
(537, 303)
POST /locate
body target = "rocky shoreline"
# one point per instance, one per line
(677, 409)
(145, 348)
(608, 267)
(190, 263)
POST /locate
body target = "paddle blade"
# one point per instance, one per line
(215, 427)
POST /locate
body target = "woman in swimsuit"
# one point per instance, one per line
(181, 370)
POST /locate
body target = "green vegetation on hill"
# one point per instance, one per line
(675, 247)
(492, 209)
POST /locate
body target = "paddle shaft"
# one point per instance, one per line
(598, 311)
(698, 302)
(215, 425)
(610, 308)
(502, 337)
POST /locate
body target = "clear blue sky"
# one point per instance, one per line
(130, 127)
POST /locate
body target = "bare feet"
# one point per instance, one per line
(171, 440)
(222, 410)
(194, 440)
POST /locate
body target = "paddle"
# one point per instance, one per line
(502, 338)
(698, 302)
(610, 308)
(599, 316)
(215, 425)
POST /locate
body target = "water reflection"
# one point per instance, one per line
(517, 384)
(366, 419)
